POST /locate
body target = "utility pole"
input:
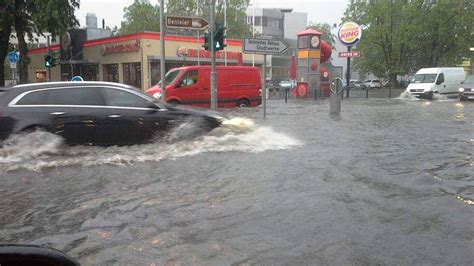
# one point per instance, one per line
(49, 53)
(162, 50)
(213, 55)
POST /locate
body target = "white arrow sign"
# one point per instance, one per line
(264, 46)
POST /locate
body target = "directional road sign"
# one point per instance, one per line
(181, 22)
(349, 54)
(13, 57)
(264, 46)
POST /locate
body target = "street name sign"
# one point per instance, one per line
(264, 46)
(182, 22)
(349, 54)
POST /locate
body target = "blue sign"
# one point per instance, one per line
(13, 57)
(77, 78)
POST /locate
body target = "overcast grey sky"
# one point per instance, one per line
(329, 11)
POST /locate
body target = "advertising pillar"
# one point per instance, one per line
(308, 64)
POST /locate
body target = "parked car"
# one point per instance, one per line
(373, 83)
(357, 84)
(99, 113)
(438, 80)
(285, 85)
(466, 91)
(238, 86)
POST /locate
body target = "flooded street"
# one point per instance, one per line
(390, 181)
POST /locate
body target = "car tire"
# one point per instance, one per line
(243, 103)
(173, 103)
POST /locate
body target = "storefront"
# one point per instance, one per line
(135, 59)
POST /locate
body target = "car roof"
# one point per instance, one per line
(11, 92)
(44, 85)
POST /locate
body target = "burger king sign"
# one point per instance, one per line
(350, 33)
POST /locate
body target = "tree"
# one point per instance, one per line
(326, 30)
(236, 17)
(139, 16)
(28, 17)
(400, 36)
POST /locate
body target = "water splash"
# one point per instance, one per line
(39, 150)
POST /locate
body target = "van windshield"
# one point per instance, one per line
(424, 78)
(469, 80)
(171, 76)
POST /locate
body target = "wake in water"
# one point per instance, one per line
(436, 97)
(38, 150)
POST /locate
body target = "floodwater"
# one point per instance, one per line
(390, 181)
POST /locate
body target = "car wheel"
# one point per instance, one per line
(173, 103)
(243, 103)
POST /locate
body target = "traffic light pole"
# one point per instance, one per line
(213, 56)
(49, 53)
(162, 50)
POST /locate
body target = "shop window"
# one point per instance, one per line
(132, 74)
(111, 73)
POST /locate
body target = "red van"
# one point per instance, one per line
(236, 86)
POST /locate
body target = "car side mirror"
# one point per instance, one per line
(439, 81)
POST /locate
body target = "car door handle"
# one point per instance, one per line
(58, 113)
(114, 116)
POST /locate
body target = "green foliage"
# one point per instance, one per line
(401, 36)
(139, 16)
(325, 28)
(236, 18)
(33, 16)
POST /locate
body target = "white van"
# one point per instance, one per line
(439, 80)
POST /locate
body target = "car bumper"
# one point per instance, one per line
(466, 95)
(423, 95)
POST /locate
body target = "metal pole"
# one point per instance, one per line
(198, 34)
(264, 89)
(348, 74)
(213, 57)
(225, 32)
(162, 49)
(253, 32)
(49, 53)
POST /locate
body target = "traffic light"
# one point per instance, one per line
(207, 41)
(219, 37)
(52, 59)
(48, 61)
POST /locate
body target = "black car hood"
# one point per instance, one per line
(197, 112)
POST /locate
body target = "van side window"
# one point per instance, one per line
(440, 78)
(190, 78)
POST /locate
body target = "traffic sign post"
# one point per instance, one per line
(264, 46)
(13, 57)
(190, 23)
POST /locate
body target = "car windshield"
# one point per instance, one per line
(171, 76)
(424, 78)
(469, 80)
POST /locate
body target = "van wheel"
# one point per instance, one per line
(173, 103)
(243, 103)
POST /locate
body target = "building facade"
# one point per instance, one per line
(280, 24)
(132, 59)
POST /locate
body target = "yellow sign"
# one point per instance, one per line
(309, 54)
